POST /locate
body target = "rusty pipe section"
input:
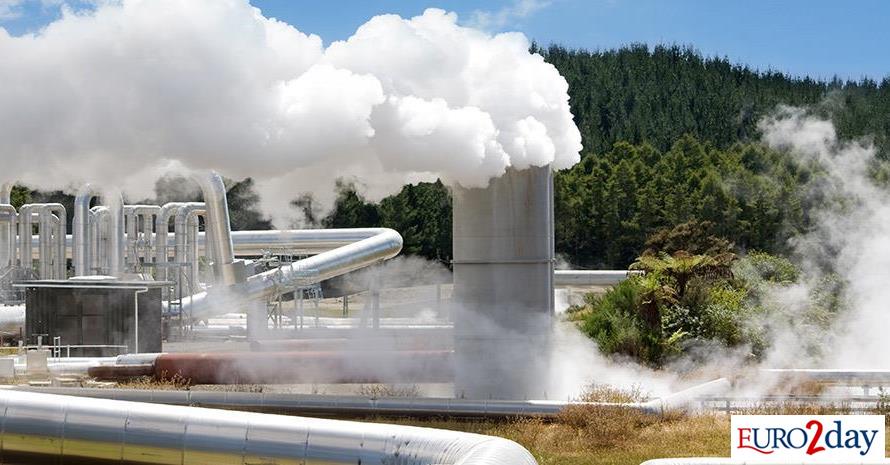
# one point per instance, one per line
(370, 366)
(45, 428)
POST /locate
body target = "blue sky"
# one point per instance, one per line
(819, 38)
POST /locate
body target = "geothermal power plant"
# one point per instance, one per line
(129, 277)
(169, 293)
(103, 301)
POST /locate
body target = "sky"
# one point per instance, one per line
(817, 38)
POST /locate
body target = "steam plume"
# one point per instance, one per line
(134, 88)
(849, 238)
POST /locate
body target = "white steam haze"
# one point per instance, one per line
(137, 88)
(850, 237)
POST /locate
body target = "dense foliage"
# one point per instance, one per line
(637, 94)
(693, 304)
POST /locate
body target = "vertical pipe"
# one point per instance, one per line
(180, 230)
(8, 223)
(117, 240)
(162, 228)
(81, 253)
(193, 225)
(6, 193)
(8, 232)
(60, 261)
(45, 233)
(115, 248)
(148, 214)
(50, 218)
(26, 247)
(99, 239)
(219, 231)
(132, 231)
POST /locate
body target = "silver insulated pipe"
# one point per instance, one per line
(82, 232)
(219, 230)
(8, 221)
(8, 225)
(373, 245)
(43, 428)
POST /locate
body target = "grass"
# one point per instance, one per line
(586, 436)
(607, 436)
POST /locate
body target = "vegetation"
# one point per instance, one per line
(610, 436)
(657, 95)
(688, 301)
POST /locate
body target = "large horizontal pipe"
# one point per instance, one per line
(44, 428)
(301, 367)
(729, 461)
(256, 243)
(326, 265)
(563, 278)
(399, 342)
(12, 320)
(316, 241)
(831, 375)
(303, 404)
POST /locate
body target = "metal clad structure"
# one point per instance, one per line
(503, 285)
(94, 314)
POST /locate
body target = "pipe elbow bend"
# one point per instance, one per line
(497, 451)
(394, 241)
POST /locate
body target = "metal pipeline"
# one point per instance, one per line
(8, 224)
(133, 214)
(12, 319)
(26, 247)
(43, 428)
(185, 228)
(257, 243)
(563, 278)
(162, 237)
(6, 192)
(53, 234)
(295, 367)
(219, 231)
(193, 223)
(303, 404)
(81, 233)
(382, 246)
(100, 229)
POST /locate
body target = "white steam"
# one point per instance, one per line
(134, 87)
(850, 238)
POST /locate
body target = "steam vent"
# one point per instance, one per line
(503, 285)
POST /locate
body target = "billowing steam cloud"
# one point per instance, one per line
(851, 238)
(137, 87)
